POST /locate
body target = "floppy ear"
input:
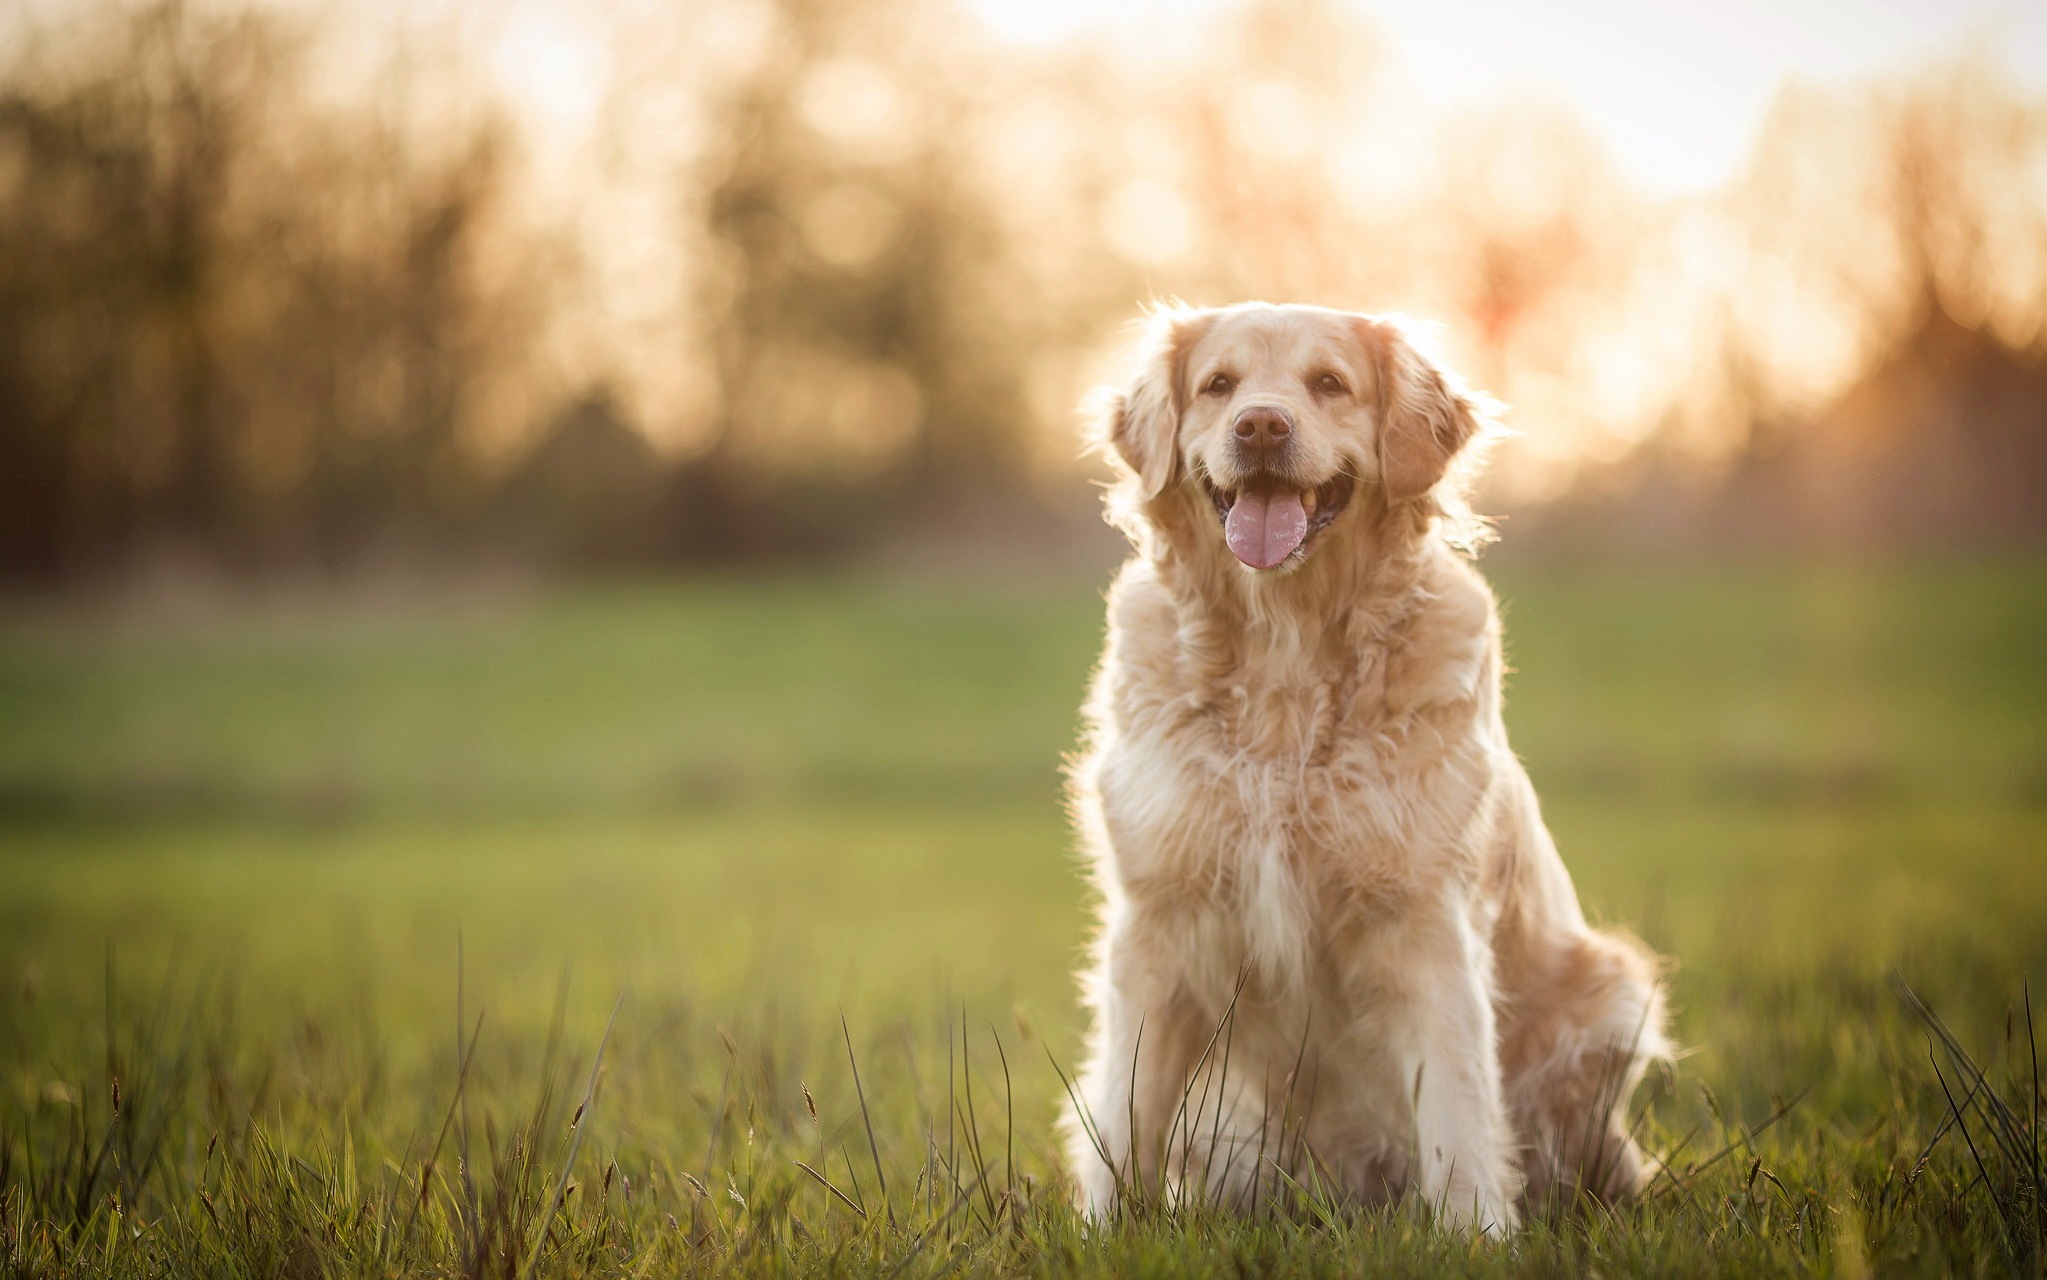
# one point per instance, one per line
(1426, 415)
(1141, 425)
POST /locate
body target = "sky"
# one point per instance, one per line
(1676, 87)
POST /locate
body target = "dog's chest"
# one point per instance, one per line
(1292, 804)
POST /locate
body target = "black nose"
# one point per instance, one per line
(1263, 428)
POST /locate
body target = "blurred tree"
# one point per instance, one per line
(819, 274)
(233, 326)
(864, 346)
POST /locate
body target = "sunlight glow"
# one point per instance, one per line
(552, 69)
(1675, 89)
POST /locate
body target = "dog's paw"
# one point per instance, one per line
(1476, 1212)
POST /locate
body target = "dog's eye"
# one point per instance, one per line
(1219, 385)
(1330, 385)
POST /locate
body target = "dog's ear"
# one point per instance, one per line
(1426, 414)
(1140, 426)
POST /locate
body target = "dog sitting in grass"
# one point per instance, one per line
(1338, 951)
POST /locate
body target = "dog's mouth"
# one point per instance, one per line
(1268, 521)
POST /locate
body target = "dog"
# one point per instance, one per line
(1337, 947)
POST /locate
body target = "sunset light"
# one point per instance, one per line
(909, 234)
(1677, 90)
(921, 639)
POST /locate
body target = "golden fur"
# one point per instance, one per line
(1336, 940)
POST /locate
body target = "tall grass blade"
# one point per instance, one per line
(561, 1181)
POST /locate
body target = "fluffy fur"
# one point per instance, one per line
(1337, 945)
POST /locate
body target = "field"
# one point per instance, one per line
(314, 917)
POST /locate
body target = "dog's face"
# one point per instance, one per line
(1279, 417)
(1277, 427)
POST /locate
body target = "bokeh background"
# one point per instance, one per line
(508, 505)
(320, 290)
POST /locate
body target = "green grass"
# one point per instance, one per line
(272, 871)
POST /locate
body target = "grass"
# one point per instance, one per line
(726, 927)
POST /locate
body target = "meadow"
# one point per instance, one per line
(726, 926)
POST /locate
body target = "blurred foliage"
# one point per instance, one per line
(295, 287)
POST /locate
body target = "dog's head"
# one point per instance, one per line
(1282, 420)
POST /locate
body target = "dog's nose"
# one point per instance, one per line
(1263, 428)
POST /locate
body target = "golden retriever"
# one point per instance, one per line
(1337, 946)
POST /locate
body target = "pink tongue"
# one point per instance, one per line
(1265, 528)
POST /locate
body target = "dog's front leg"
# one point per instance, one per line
(1129, 1092)
(1451, 1054)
